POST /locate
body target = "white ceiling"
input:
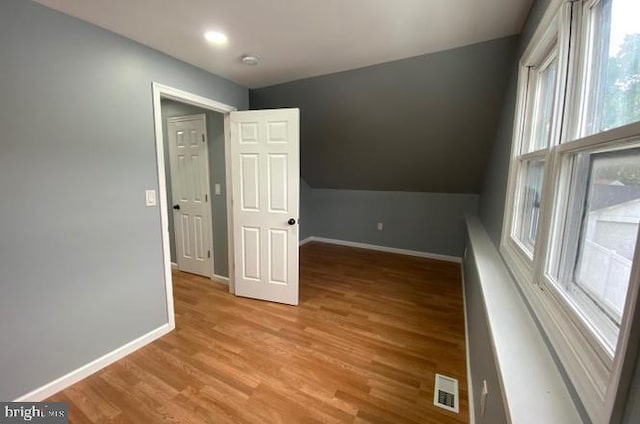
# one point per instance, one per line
(297, 39)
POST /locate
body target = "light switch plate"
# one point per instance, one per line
(150, 197)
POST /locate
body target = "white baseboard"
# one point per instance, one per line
(85, 371)
(436, 256)
(174, 265)
(220, 279)
(305, 241)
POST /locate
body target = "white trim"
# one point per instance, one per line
(161, 91)
(305, 241)
(229, 194)
(86, 370)
(193, 99)
(472, 412)
(436, 256)
(220, 279)
(617, 138)
(527, 372)
(209, 170)
(551, 31)
(544, 24)
(162, 195)
(174, 265)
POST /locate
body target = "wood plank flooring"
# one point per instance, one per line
(363, 346)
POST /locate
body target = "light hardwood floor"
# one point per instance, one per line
(363, 346)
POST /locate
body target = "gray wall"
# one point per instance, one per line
(631, 409)
(81, 269)
(426, 222)
(494, 188)
(423, 124)
(215, 142)
(411, 130)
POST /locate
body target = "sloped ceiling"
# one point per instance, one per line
(423, 124)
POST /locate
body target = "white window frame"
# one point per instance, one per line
(594, 372)
(550, 36)
(593, 369)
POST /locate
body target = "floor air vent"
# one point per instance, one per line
(445, 394)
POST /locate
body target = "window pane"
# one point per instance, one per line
(607, 239)
(527, 224)
(544, 106)
(614, 86)
(609, 229)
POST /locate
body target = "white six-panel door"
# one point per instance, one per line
(190, 191)
(265, 167)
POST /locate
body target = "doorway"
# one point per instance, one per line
(218, 161)
(264, 149)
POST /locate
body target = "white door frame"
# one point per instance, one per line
(160, 92)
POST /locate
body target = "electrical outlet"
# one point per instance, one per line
(217, 189)
(380, 226)
(483, 397)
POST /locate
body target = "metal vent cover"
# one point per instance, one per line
(445, 393)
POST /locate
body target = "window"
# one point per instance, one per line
(541, 93)
(612, 88)
(599, 229)
(538, 131)
(572, 214)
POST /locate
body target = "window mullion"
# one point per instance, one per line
(546, 206)
(534, 156)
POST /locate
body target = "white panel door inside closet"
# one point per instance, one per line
(190, 192)
(265, 181)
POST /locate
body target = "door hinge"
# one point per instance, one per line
(208, 253)
(203, 138)
(206, 198)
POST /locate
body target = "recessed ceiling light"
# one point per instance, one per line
(215, 37)
(250, 60)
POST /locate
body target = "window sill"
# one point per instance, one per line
(533, 387)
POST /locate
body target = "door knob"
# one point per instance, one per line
(176, 207)
(291, 221)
